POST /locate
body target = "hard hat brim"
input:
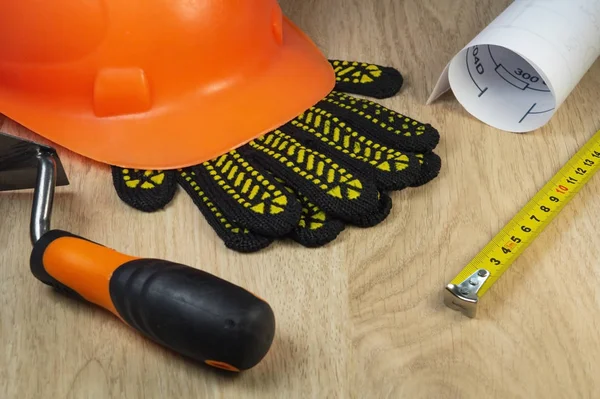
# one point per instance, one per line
(200, 126)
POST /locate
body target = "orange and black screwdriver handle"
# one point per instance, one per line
(187, 310)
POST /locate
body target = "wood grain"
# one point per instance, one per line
(363, 317)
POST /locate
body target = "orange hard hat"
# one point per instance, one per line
(155, 84)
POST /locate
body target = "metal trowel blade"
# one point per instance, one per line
(19, 163)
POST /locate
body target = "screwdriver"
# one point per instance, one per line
(189, 311)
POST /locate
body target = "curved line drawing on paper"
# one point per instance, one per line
(511, 79)
(531, 112)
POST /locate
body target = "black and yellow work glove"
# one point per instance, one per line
(330, 167)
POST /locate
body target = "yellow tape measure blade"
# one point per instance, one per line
(465, 290)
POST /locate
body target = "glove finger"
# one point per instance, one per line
(393, 129)
(392, 169)
(431, 164)
(398, 132)
(315, 228)
(144, 190)
(340, 192)
(373, 219)
(248, 195)
(234, 236)
(366, 79)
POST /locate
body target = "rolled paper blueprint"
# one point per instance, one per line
(517, 72)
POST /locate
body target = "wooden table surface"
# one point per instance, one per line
(363, 317)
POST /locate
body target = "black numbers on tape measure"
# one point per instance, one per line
(495, 261)
(545, 209)
(554, 199)
(506, 250)
(532, 218)
(579, 171)
(515, 239)
(526, 229)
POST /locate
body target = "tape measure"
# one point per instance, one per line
(465, 290)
